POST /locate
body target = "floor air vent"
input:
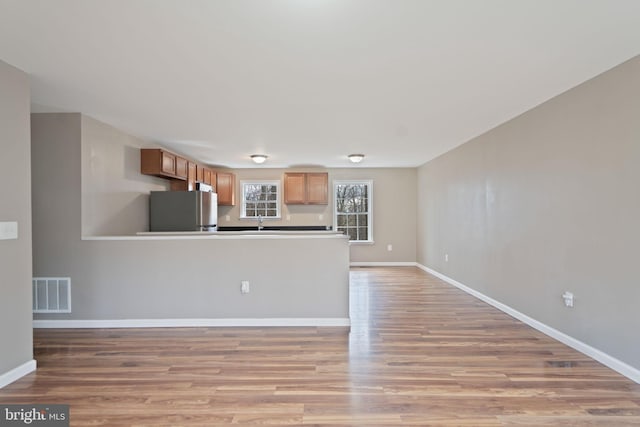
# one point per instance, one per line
(51, 295)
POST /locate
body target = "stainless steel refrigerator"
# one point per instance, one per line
(183, 211)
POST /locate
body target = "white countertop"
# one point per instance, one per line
(252, 234)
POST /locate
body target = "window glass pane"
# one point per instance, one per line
(362, 233)
(352, 233)
(342, 220)
(352, 220)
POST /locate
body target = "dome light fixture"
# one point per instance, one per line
(259, 158)
(356, 158)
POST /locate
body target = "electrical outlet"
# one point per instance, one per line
(568, 299)
(446, 257)
(288, 217)
(244, 287)
(320, 217)
(227, 218)
(389, 247)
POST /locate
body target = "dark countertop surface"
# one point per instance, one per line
(277, 228)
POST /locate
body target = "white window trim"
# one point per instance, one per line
(243, 206)
(368, 182)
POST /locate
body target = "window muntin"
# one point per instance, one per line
(352, 212)
(260, 199)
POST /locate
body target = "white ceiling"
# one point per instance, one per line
(309, 81)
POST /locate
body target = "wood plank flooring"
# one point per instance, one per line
(420, 352)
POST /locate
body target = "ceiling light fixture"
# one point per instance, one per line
(356, 158)
(258, 158)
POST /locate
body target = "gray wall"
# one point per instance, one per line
(114, 193)
(55, 173)
(168, 279)
(548, 202)
(15, 205)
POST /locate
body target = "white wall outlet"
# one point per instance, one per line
(568, 299)
(320, 217)
(288, 217)
(446, 257)
(244, 287)
(227, 218)
(8, 230)
(389, 247)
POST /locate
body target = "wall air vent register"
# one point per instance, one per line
(51, 294)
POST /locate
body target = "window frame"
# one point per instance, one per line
(243, 201)
(369, 184)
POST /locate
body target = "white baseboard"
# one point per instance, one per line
(187, 323)
(383, 264)
(602, 357)
(17, 373)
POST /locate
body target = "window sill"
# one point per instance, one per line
(264, 218)
(361, 242)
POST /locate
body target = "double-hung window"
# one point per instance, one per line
(352, 209)
(260, 199)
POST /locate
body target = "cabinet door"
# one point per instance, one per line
(199, 173)
(182, 167)
(191, 177)
(207, 176)
(226, 188)
(294, 188)
(168, 163)
(317, 188)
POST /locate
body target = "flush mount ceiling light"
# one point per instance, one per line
(356, 158)
(258, 158)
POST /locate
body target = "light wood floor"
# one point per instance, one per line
(420, 352)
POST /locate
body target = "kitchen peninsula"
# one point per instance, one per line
(182, 279)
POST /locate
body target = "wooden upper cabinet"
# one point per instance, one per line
(294, 188)
(184, 174)
(182, 167)
(191, 176)
(208, 176)
(306, 188)
(159, 162)
(199, 173)
(226, 188)
(317, 188)
(168, 161)
(205, 175)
